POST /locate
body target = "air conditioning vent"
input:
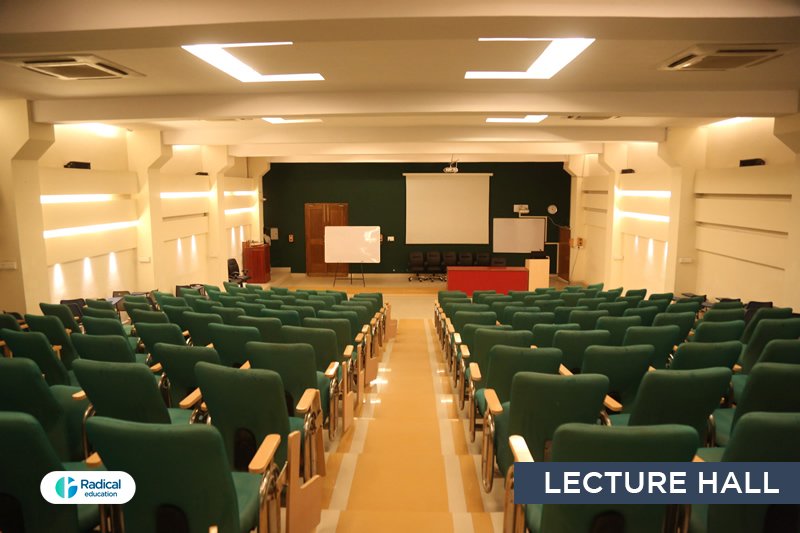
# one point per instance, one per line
(77, 67)
(591, 117)
(725, 57)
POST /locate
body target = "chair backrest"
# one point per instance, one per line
(614, 308)
(693, 355)
(718, 331)
(198, 326)
(592, 443)
(450, 258)
(768, 329)
(340, 326)
(572, 297)
(617, 326)
(507, 316)
(624, 366)
(174, 301)
(573, 345)
(175, 313)
(519, 296)
(549, 306)
(56, 334)
(295, 364)
(485, 339)
(9, 321)
(465, 259)
(661, 305)
(177, 485)
(229, 342)
(562, 313)
(450, 308)
(288, 317)
(111, 348)
(462, 318)
(269, 328)
(469, 330)
(98, 313)
(416, 259)
(269, 303)
(498, 261)
(716, 314)
(433, 258)
(64, 314)
(543, 333)
(303, 311)
(595, 286)
(121, 390)
(683, 306)
(781, 351)
(233, 267)
(661, 296)
(26, 457)
(498, 305)
(102, 304)
(540, 403)
(771, 387)
(142, 316)
(679, 397)
(752, 308)
(528, 320)
(662, 338)
(35, 346)
(178, 363)
(350, 316)
(483, 258)
(228, 300)
(505, 361)
(231, 395)
(327, 300)
(728, 304)
(646, 314)
(102, 326)
(151, 334)
(684, 321)
(228, 314)
(586, 319)
(316, 305)
(323, 341)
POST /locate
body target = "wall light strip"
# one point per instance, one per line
(241, 193)
(239, 210)
(74, 198)
(732, 121)
(558, 54)
(643, 216)
(527, 119)
(186, 194)
(644, 194)
(82, 230)
(279, 120)
(216, 56)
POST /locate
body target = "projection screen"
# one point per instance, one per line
(447, 208)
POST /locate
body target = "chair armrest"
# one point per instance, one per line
(373, 322)
(698, 459)
(330, 372)
(245, 366)
(364, 329)
(68, 330)
(57, 350)
(737, 368)
(80, 395)
(564, 371)
(519, 448)
(307, 402)
(185, 332)
(265, 454)
(651, 368)
(210, 345)
(465, 352)
(611, 404)
(192, 399)
(156, 368)
(533, 347)
(348, 351)
(94, 461)
(359, 338)
(492, 401)
(450, 328)
(497, 323)
(475, 372)
(457, 338)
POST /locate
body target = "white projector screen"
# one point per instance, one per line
(447, 208)
(518, 235)
(352, 244)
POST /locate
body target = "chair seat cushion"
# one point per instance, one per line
(128, 328)
(246, 486)
(296, 424)
(323, 384)
(141, 358)
(533, 517)
(723, 419)
(711, 455)
(480, 400)
(501, 433)
(134, 342)
(698, 523)
(738, 381)
(620, 419)
(179, 416)
(73, 381)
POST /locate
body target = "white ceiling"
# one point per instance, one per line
(394, 85)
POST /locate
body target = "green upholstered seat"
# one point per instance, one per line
(56, 334)
(636, 292)
(340, 326)
(684, 321)
(286, 299)
(169, 299)
(269, 303)
(279, 290)
(100, 304)
(573, 345)
(632, 301)
(728, 304)
(767, 330)
(177, 492)
(269, 328)
(562, 313)
(549, 306)
(136, 299)
(595, 286)
(316, 305)
(508, 313)
(351, 316)
(228, 300)
(677, 397)
(112, 348)
(201, 305)
(462, 318)
(178, 362)
(8, 321)
(303, 311)
(142, 316)
(152, 333)
(662, 338)
(693, 355)
(26, 456)
(762, 314)
(250, 309)
(63, 313)
(617, 326)
(323, 341)
(683, 307)
(586, 319)
(175, 314)
(624, 366)
(445, 294)
(661, 305)
(716, 314)
(499, 305)
(35, 346)
(229, 342)
(479, 295)
(198, 326)
(288, 317)
(327, 300)
(188, 291)
(543, 333)
(661, 296)
(23, 389)
(718, 331)
(519, 296)
(571, 297)
(591, 303)
(528, 319)
(591, 443)
(646, 314)
(614, 308)
(98, 313)
(140, 306)
(228, 314)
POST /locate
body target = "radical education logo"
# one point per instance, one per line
(79, 487)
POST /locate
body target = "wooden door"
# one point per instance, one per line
(562, 269)
(317, 216)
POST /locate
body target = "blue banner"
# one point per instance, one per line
(657, 483)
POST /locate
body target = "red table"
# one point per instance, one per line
(500, 279)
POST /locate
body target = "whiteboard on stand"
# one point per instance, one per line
(352, 244)
(518, 235)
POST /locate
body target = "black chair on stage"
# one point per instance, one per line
(234, 274)
(465, 259)
(416, 266)
(434, 265)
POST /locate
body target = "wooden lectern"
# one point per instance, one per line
(255, 259)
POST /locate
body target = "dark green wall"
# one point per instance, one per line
(376, 194)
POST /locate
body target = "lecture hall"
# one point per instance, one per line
(350, 266)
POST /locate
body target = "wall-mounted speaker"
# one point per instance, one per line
(755, 162)
(85, 165)
(627, 171)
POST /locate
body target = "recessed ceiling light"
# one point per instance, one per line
(527, 119)
(279, 120)
(216, 56)
(558, 54)
(731, 121)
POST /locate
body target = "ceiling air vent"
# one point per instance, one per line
(725, 56)
(591, 117)
(74, 67)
